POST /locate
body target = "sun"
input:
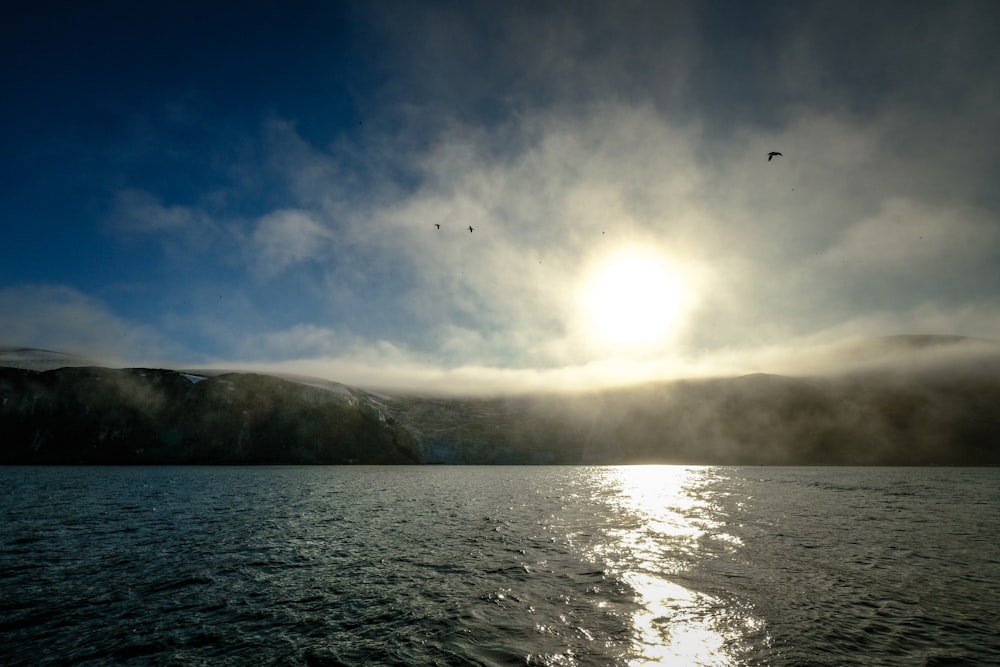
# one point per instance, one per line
(634, 299)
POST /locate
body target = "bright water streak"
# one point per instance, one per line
(499, 565)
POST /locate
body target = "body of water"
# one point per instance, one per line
(434, 565)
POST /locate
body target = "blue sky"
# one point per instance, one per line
(258, 185)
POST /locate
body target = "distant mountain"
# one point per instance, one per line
(923, 341)
(935, 405)
(38, 360)
(920, 354)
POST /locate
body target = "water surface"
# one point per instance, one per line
(499, 566)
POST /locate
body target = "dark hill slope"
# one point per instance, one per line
(124, 416)
(100, 415)
(757, 419)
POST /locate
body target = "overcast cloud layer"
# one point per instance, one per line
(187, 212)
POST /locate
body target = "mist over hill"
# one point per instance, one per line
(133, 416)
(40, 360)
(917, 400)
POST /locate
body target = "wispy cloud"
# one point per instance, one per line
(181, 229)
(142, 212)
(771, 252)
(61, 318)
(904, 238)
(568, 134)
(285, 238)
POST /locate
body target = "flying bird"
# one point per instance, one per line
(437, 225)
(470, 229)
(772, 154)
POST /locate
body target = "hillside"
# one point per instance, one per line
(132, 416)
(757, 419)
(938, 409)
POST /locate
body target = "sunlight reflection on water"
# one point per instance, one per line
(543, 566)
(667, 518)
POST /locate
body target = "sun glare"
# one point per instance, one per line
(634, 299)
(667, 523)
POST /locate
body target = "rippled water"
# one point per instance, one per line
(499, 565)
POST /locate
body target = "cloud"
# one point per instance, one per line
(763, 245)
(905, 238)
(142, 212)
(568, 134)
(495, 63)
(182, 230)
(285, 238)
(269, 245)
(61, 318)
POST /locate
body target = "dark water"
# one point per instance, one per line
(499, 565)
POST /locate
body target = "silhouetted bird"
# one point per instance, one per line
(470, 229)
(437, 225)
(772, 154)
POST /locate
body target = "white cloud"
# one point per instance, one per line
(285, 238)
(61, 318)
(873, 222)
(269, 245)
(762, 244)
(142, 212)
(182, 230)
(906, 238)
